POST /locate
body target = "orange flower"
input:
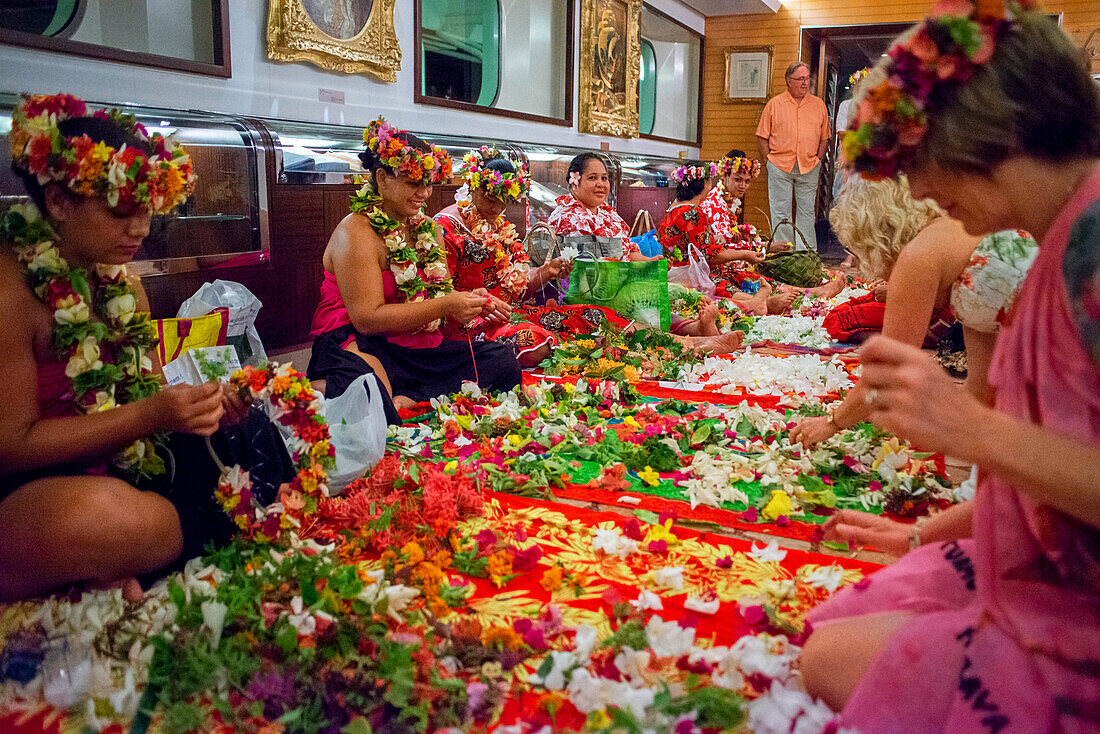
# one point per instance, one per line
(500, 565)
(504, 636)
(552, 579)
(413, 550)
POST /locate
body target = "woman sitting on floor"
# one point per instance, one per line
(484, 251)
(584, 210)
(387, 289)
(1011, 645)
(91, 489)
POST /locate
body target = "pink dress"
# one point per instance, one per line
(331, 314)
(1005, 635)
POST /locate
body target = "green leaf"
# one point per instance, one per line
(647, 516)
(357, 726)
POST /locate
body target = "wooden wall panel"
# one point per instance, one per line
(727, 126)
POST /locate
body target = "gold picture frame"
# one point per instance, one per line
(333, 35)
(748, 74)
(610, 63)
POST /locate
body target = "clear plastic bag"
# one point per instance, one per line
(357, 427)
(694, 275)
(243, 307)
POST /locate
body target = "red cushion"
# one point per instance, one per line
(855, 320)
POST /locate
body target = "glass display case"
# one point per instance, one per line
(223, 224)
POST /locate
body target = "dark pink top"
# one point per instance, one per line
(55, 399)
(331, 314)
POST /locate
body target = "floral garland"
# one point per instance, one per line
(420, 268)
(128, 178)
(402, 158)
(501, 239)
(891, 118)
(295, 406)
(858, 76)
(505, 187)
(105, 356)
(688, 173)
(728, 165)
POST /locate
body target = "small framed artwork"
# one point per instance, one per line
(748, 74)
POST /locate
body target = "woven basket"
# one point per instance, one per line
(800, 268)
(541, 244)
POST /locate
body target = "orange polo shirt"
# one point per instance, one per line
(794, 130)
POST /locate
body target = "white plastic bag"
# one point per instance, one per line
(694, 275)
(243, 307)
(357, 427)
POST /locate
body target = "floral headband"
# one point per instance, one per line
(858, 76)
(687, 173)
(728, 165)
(404, 159)
(503, 186)
(152, 177)
(891, 118)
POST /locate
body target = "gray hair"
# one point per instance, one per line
(795, 67)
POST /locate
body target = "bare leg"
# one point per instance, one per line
(65, 530)
(373, 363)
(836, 656)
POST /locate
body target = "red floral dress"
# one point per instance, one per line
(685, 225)
(480, 255)
(572, 217)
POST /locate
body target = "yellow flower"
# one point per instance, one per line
(450, 466)
(414, 552)
(629, 421)
(779, 504)
(552, 579)
(586, 343)
(599, 720)
(662, 532)
(515, 439)
(649, 477)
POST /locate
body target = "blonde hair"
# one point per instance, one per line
(875, 219)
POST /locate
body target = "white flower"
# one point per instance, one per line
(84, 358)
(613, 543)
(765, 655)
(472, 389)
(403, 274)
(669, 639)
(769, 552)
(825, 577)
(787, 710)
(300, 618)
(77, 313)
(569, 252)
(632, 663)
(669, 576)
(698, 604)
(213, 618)
(107, 271)
(584, 641)
(43, 256)
(121, 308)
(561, 661)
(398, 598)
(647, 601)
(436, 270)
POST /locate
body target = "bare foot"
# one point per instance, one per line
(830, 289)
(708, 320)
(781, 302)
(534, 357)
(403, 403)
(721, 344)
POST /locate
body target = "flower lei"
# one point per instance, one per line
(687, 173)
(106, 356)
(501, 239)
(156, 179)
(419, 268)
(503, 186)
(891, 118)
(728, 165)
(290, 397)
(858, 76)
(404, 159)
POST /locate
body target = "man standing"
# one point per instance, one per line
(792, 135)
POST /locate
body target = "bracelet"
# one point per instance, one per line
(914, 533)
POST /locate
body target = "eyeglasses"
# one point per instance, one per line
(800, 79)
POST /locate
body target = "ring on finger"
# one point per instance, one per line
(872, 396)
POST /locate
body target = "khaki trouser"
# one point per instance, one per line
(801, 189)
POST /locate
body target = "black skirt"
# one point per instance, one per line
(418, 374)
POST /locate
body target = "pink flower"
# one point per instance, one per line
(724, 562)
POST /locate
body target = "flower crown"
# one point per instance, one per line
(503, 186)
(687, 173)
(404, 159)
(891, 117)
(152, 177)
(729, 165)
(858, 76)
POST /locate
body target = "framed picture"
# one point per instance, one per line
(748, 74)
(610, 64)
(350, 36)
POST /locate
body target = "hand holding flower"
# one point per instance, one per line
(186, 408)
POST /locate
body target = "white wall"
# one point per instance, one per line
(272, 89)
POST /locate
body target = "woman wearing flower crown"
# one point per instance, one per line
(584, 210)
(991, 114)
(484, 251)
(387, 289)
(83, 430)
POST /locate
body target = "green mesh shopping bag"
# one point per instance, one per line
(637, 290)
